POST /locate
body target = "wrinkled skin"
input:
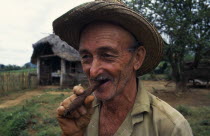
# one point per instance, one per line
(104, 50)
(74, 124)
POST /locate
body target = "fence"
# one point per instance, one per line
(11, 81)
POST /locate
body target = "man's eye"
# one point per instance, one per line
(85, 58)
(108, 57)
(105, 55)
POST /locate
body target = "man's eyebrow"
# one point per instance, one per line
(108, 49)
(82, 51)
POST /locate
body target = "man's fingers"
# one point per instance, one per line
(83, 121)
(60, 110)
(82, 110)
(78, 90)
(68, 126)
(65, 102)
(68, 101)
(72, 97)
(75, 115)
(88, 101)
(74, 123)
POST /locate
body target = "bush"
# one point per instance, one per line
(205, 122)
(184, 110)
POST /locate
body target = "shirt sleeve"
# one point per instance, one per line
(182, 129)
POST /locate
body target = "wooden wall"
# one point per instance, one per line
(14, 81)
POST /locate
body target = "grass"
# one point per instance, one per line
(36, 116)
(152, 76)
(184, 110)
(11, 95)
(208, 96)
(19, 71)
(198, 117)
(58, 90)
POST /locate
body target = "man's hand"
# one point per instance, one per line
(75, 123)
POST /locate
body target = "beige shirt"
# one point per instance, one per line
(149, 116)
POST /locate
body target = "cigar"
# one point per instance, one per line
(81, 98)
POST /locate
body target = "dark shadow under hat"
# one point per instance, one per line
(69, 26)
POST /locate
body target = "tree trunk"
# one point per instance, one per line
(197, 57)
(177, 73)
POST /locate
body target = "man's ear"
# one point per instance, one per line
(139, 57)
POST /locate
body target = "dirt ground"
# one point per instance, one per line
(194, 97)
(15, 99)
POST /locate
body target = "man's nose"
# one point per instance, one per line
(95, 68)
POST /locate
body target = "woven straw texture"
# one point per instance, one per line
(69, 26)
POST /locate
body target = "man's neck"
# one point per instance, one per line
(123, 101)
(114, 112)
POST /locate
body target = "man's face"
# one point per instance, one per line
(104, 53)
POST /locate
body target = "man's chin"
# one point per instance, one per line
(104, 92)
(103, 98)
(102, 95)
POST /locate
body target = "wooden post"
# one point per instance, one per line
(63, 72)
(38, 71)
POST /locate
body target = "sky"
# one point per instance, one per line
(24, 22)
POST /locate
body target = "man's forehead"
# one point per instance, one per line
(106, 30)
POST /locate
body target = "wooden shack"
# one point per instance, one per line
(199, 73)
(57, 62)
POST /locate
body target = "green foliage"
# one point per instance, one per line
(162, 68)
(58, 90)
(198, 117)
(200, 121)
(189, 57)
(155, 77)
(184, 110)
(35, 117)
(27, 70)
(205, 122)
(147, 77)
(184, 25)
(49, 131)
(15, 67)
(13, 123)
(9, 67)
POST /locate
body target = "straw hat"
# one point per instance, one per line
(69, 26)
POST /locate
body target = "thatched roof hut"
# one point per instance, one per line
(57, 62)
(52, 44)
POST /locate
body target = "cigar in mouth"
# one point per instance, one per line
(81, 98)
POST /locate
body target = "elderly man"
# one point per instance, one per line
(116, 46)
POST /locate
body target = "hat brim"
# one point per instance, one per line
(69, 26)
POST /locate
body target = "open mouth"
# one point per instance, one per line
(101, 79)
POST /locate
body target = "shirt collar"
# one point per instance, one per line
(95, 103)
(141, 105)
(142, 102)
